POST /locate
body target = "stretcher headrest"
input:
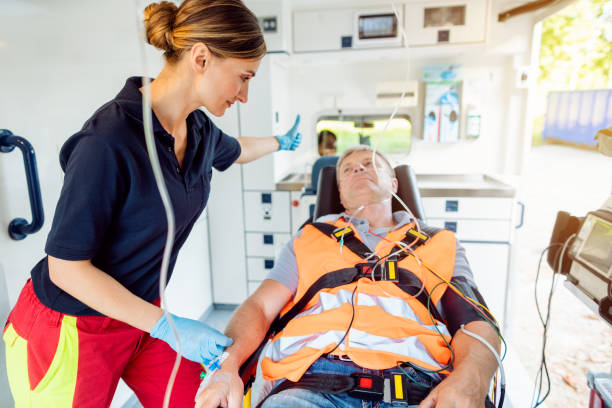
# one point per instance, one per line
(328, 197)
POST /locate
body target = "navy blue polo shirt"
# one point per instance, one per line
(110, 210)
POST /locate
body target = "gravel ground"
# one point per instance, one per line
(574, 180)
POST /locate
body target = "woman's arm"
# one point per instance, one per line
(255, 147)
(102, 293)
(252, 148)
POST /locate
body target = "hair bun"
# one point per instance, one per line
(159, 23)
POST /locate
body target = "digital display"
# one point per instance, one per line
(596, 249)
(377, 26)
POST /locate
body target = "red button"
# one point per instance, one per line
(365, 382)
(295, 203)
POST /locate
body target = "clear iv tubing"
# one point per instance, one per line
(147, 120)
(379, 138)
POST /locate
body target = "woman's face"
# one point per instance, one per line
(225, 81)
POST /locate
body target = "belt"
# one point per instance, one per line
(390, 388)
(343, 357)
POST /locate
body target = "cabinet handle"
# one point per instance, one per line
(520, 224)
(452, 205)
(450, 225)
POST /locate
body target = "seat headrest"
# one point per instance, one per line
(328, 196)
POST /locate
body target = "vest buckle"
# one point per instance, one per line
(399, 389)
(390, 271)
(421, 237)
(341, 233)
(367, 387)
(365, 268)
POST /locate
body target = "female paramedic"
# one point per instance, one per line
(90, 314)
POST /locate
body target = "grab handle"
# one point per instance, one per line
(520, 224)
(19, 227)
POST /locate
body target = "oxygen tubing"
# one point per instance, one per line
(147, 120)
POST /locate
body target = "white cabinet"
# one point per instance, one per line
(446, 22)
(244, 209)
(275, 19)
(348, 28)
(322, 30)
(489, 264)
(484, 227)
(267, 114)
(267, 230)
(267, 211)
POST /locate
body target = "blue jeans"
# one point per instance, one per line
(302, 398)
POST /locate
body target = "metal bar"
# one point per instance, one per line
(19, 228)
(525, 8)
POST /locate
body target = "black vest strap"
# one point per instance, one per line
(408, 282)
(327, 281)
(348, 237)
(353, 243)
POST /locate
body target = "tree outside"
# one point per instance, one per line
(576, 53)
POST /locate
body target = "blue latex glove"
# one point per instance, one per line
(199, 342)
(292, 139)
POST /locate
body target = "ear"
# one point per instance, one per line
(199, 57)
(394, 185)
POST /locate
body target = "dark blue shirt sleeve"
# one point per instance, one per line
(227, 149)
(90, 196)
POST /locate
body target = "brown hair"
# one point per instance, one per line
(327, 141)
(227, 27)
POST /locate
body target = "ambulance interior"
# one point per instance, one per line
(456, 75)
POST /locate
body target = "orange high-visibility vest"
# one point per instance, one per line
(389, 326)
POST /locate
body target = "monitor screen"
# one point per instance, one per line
(377, 26)
(597, 248)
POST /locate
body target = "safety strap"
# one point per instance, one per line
(393, 388)
(408, 282)
(349, 239)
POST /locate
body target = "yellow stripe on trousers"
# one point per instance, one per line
(56, 389)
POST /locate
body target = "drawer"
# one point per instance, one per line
(468, 207)
(489, 264)
(475, 230)
(266, 244)
(258, 268)
(252, 287)
(267, 211)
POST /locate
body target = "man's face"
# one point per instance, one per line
(358, 183)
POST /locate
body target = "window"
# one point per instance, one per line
(337, 133)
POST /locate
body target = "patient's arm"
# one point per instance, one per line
(247, 328)
(474, 365)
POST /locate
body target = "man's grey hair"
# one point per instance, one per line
(362, 148)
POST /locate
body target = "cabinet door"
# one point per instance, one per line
(267, 211)
(489, 263)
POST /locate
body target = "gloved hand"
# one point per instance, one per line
(199, 342)
(290, 140)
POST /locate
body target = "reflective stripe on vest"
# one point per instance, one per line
(389, 325)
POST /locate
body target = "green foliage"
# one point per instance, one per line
(576, 51)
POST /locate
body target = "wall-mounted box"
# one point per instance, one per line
(446, 22)
(350, 28)
(322, 30)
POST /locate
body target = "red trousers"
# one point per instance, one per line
(57, 360)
